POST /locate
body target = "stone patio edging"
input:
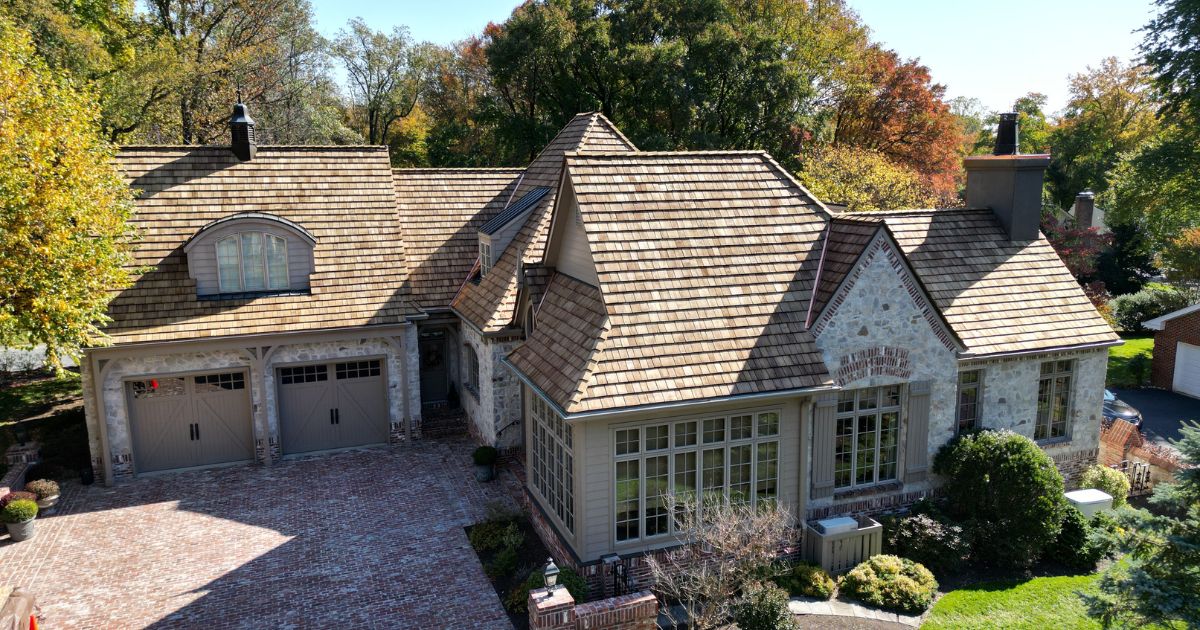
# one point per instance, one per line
(803, 606)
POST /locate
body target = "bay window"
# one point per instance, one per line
(729, 458)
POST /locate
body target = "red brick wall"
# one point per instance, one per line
(1185, 329)
(558, 611)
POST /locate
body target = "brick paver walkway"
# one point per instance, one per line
(360, 539)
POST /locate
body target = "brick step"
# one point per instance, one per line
(444, 426)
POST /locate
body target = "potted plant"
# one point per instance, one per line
(18, 518)
(485, 462)
(46, 491)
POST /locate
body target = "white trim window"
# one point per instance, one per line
(1054, 400)
(553, 462)
(731, 458)
(866, 445)
(969, 410)
(485, 258)
(252, 261)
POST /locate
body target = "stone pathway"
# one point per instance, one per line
(805, 606)
(370, 538)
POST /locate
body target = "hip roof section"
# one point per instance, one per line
(342, 196)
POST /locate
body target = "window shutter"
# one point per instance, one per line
(916, 452)
(823, 429)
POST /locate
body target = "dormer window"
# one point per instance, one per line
(252, 261)
(485, 258)
(243, 256)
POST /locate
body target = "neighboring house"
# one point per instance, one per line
(632, 323)
(1176, 362)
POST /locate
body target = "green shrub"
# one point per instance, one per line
(19, 511)
(485, 456)
(891, 582)
(1005, 492)
(489, 535)
(43, 488)
(1109, 480)
(1155, 300)
(763, 606)
(503, 563)
(929, 541)
(518, 599)
(806, 580)
(16, 496)
(1072, 547)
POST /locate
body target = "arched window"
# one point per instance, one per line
(252, 261)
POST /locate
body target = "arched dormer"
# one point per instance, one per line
(251, 253)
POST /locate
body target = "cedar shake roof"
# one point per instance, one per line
(997, 296)
(343, 196)
(441, 210)
(705, 262)
(490, 304)
(844, 242)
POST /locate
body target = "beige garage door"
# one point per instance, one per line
(334, 405)
(187, 421)
(1187, 369)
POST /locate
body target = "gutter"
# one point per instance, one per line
(591, 415)
(1020, 353)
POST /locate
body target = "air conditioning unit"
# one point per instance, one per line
(839, 544)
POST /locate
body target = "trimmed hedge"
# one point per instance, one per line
(1005, 492)
(806, 580)
(891, 582)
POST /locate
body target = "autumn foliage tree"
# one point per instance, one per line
(865, 179)
(64, 210)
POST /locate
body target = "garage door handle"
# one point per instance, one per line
(337, 416)
(197, 430)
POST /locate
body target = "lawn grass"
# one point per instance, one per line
(1045, 602)
(1119, 358)
(32, 397)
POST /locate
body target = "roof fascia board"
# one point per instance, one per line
(242, 341)
(1052, 349)
(1158, 323)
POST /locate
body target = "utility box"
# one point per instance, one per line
(839, 544)
(1090, 501)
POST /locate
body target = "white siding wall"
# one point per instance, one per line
(573, 255)
(202, 256)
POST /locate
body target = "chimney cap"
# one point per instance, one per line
(1006, 135)
(240, 115)
(1086, 194)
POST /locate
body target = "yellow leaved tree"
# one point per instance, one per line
(65, 238)
(864, 179)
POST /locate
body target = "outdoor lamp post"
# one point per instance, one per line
(551, 574)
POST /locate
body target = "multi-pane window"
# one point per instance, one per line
(734, 458)
(217, 382)
(866, 444)
(554, 462)
(970, 392)
(485, 258)
(1054, 400)
(252, 261)
(472, 384)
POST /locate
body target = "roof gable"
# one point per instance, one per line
(1158, 323)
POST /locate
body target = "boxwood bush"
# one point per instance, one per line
(763, 606)
(1108, 480)
(1006, 493)
(806, 580)
(929, 541)
(891, 582)
(19, 511)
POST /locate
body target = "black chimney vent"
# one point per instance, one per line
(1006, 135)
(241, 126)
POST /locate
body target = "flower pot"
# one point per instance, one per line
(46, 506)
(485, 472)
(20, 531)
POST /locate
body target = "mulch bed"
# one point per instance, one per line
(531, 556)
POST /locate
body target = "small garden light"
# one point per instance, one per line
(551, 574)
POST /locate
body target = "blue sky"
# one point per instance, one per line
(993, 51)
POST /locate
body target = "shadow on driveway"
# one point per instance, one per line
(1163, 412)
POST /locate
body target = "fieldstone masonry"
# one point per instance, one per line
(495, 411)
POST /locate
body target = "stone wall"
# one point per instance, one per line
(262, 391)
(495, 411)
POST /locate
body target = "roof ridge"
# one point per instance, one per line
(909, 211)
(273, 147)
(651, 154)
(458, 169)
(599, 116)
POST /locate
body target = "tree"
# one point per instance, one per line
(1157, 186)
(1169, 48)
(386, 72)
(64, 232)
(865, 179)
(973, 124)
(1127, 263)
(1110, 112)
(462, 108)
(1182, 256)
(1158, 581)
(726, 547)
(899, 112)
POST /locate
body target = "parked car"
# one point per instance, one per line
(1117, 409)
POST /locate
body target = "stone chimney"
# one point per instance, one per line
(1008, 183)
(1085, 209)
(241, 128)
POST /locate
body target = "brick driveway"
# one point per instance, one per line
(360, 539)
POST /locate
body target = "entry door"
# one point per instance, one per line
(435, 374)
(330, 406)
(1187, 369)
(197, 420)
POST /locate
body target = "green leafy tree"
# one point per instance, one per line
(1157, 186)
(386, 72)
(64, 232)
(1182, 256)
(1160, 577)
(1127, 263)
(1169, 49)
